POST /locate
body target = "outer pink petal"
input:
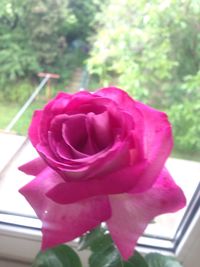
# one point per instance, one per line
(154, 129)
(119, 96)
(33, 167)
(158, 143)
(62, 223)
(114, 183)
(132, 212)
(54, 107)
(34, 127)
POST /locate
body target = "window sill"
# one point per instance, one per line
(22, 244)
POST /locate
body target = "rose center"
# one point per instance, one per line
(89, 133)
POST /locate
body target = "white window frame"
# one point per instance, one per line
(23, 243)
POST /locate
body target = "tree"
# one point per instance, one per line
(152, 49)
(16, 56)
(37, 35)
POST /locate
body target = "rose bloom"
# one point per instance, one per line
(101, 159)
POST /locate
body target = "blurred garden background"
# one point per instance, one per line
(151, 49)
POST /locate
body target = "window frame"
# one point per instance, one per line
(22, 243)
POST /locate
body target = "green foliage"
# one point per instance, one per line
(184, 114)
(9, 109)
(158, 260)
(60, 256)
(43, 22)
(152, 50)
(91, 239)
(84, 13)
(37, 36)
(16, 60)
(17, 92)
(16, 57)
(105, 254)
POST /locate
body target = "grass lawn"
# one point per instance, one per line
(9, 110)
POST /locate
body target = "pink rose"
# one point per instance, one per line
(102, 158)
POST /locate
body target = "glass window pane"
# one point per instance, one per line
(11, 179)
(187, 175)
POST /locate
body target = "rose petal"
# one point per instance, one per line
(62, 223)
(110, 159)
(76, 140)
(157, 144)
(59, 104)
(154, 129)
(127, 105)
(99, 131)
(114, 183)
(63, 129)
(59, 148)
(56, 106)
(34, 127)
(119, 96)
(131, 213)
(85, 102)
(33, 167)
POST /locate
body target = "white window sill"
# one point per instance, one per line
(22, 245)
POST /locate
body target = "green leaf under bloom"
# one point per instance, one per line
(106, 256)
(136, 260)
(60, 256)
(105, 253)
(91, 239)
(158, 260)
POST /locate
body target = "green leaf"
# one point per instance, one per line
(158, 260)
(89, 240)
(102, 242)
(136, 260)
(60, 256)
(105, 254)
